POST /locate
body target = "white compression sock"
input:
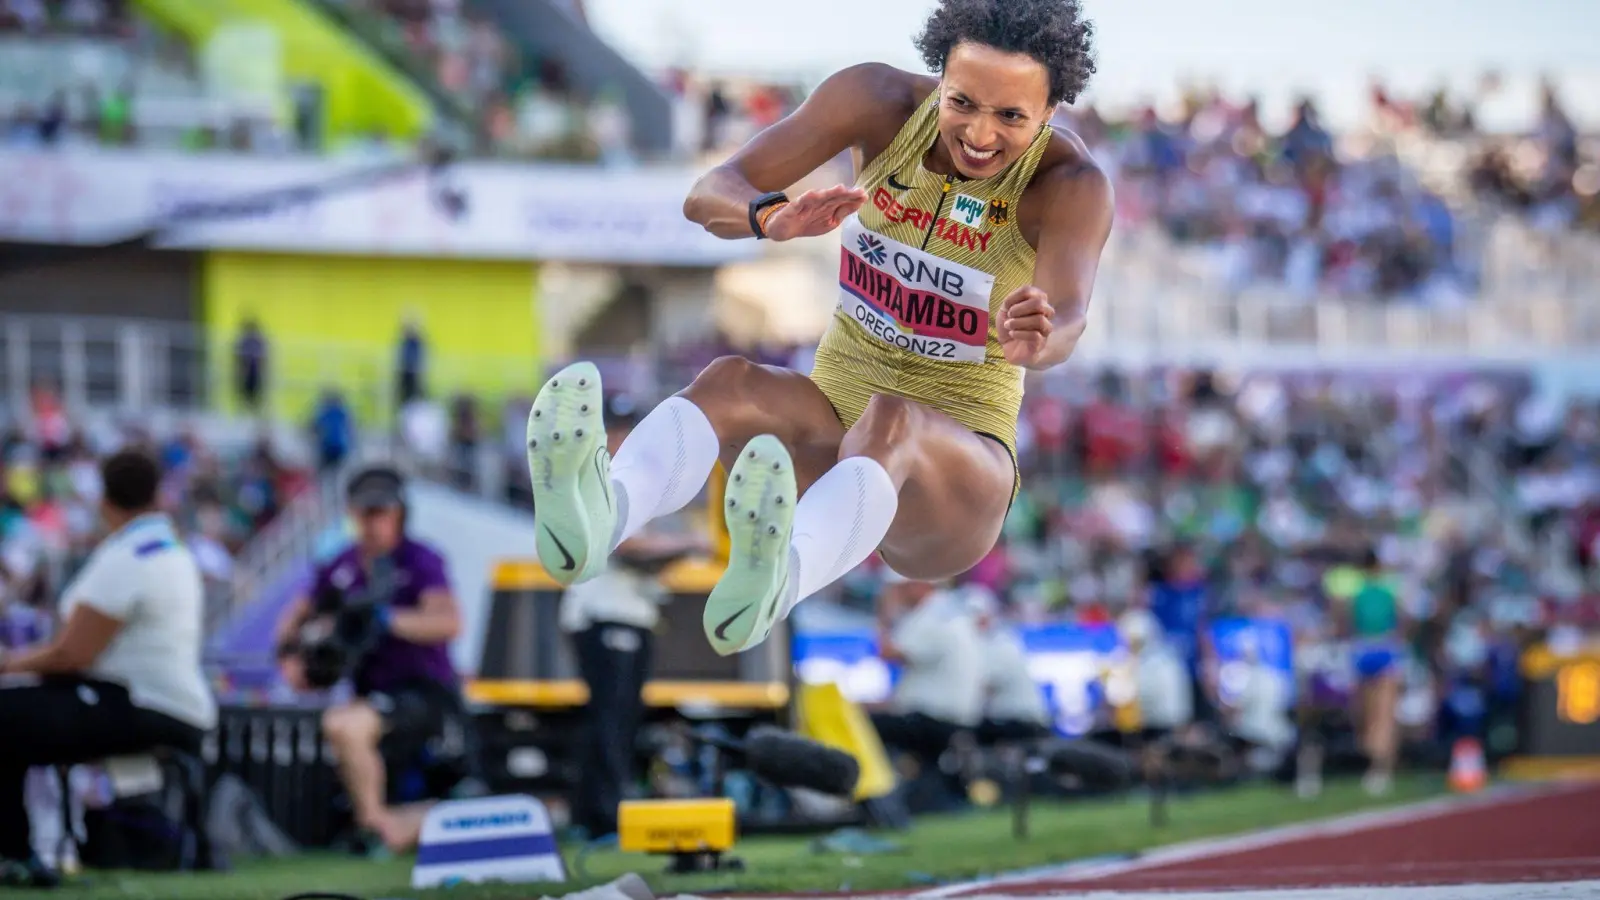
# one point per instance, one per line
(838, 523)
(662, 465)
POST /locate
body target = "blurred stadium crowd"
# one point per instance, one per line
(131, 81)
(1473, 495)
(1252, 491)
(50, 498)
(1295, 206)
(1479, 497)
(1348, 217)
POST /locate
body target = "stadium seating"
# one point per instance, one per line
(99, 89)
(172, 73)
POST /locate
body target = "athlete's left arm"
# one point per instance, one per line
(436, 619)
(1046, 320)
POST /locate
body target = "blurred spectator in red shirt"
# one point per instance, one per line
(51, 429)
(1113, 432)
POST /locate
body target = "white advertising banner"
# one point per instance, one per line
(487, 210)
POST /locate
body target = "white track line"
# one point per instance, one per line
(1210, 847)
(1572, 890)
(1399, 874)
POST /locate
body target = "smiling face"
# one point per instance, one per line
(991, 106)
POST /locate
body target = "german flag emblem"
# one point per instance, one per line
(999, 212)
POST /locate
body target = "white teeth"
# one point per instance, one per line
(977, 154)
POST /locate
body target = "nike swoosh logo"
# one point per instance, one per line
(895, 183)
(722, 630)
(568, 563)
(600, 473)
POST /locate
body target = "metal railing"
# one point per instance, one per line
(136, 366)
(1141, 309)
(289, 540)
(1142, 306)
(126, 365)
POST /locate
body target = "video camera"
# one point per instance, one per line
(345, 628)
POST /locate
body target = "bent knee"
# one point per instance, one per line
(885, 425)
(727, 378)
(352, 722)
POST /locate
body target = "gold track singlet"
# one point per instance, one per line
(923, 269)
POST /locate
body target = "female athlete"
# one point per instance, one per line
(1377, 640)
(970, 242)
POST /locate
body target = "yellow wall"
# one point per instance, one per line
(336, 320)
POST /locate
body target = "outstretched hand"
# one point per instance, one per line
(814, 212)
(1025, 325)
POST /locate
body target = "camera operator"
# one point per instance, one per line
(1014, 707)
(123, 674)
(388, 598)
(931, 635)
(611, 619)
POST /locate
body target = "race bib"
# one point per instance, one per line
(912, 300)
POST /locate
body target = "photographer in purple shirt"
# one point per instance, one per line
(396, 591)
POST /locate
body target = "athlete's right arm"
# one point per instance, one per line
(839, 115)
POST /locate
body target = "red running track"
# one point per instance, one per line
(1550, 835)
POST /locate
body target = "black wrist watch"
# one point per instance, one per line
(771, 198)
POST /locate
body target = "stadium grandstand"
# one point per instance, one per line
(277, 242)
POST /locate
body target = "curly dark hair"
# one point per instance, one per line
(1053, 32)
(132, 478)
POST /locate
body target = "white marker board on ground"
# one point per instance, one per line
(505, 838)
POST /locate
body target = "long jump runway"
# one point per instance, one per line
(1516, 844)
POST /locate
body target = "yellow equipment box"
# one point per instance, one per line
(676, 826)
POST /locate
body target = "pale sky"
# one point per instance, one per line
(1272, 46)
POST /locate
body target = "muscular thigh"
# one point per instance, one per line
(743, 400)
(956, 489)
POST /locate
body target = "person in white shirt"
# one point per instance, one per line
(1014, 707)
(123, 674)
(932, 636)
(1165, 699)
(611, 620)
(1259, 722)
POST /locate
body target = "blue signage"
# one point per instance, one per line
(1068, 661)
